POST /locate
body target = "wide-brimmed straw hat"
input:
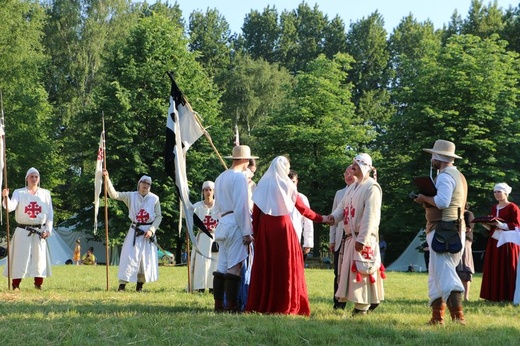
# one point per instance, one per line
(241, 152)
(443, 147)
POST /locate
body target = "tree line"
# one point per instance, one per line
(295, 82)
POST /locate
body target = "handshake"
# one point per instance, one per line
(328, 219)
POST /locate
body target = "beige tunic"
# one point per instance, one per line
(361, 212)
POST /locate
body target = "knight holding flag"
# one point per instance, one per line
(138, 262)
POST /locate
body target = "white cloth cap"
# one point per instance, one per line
(442, 158)
(275, 194)
(146, 179)
(364, 162)
(30, 171)
(503, 187)
(208, 183)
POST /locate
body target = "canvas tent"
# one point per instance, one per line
(63, 240)
(58, 250)
(410, 257)
(70, 234)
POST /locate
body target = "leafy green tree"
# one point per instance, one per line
(468, 94)
(210, 37)
(134, 98)
(30, 138)
(253, 89)
(261, 34)
(483, 21)
(370, 74)
(315, 126)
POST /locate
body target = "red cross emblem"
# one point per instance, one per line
(209, 222)
(346, 217)
(367, 253)
(142, 216)
(33, 209)
(100, 154)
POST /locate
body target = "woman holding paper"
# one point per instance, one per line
(500, 263)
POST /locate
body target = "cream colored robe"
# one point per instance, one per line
(361, 212)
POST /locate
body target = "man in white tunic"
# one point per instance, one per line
(234, 231)
(302, 225)
(361, 274)
(203, 264)
(28, 251)
(444, 285)
(139, 260)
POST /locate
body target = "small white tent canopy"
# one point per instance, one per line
(58, 249)
(410, 257)
(70, 234)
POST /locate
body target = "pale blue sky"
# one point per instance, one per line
(438, 11)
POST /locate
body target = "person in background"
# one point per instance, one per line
(499, 272)
(28, 251)
(76, 257)
(426, 253)
(277, 277)
(360, 211)
(234, 231)
(444, 285)
(382, 248)
(336, 234)
(466, 267)
(89, 258)
(203, 264)
(139, 260)
(302, 225)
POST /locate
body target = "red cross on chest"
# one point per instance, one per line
(209, 222)
(367, 253)
(33, 209)
(348, 214)
(142, 216)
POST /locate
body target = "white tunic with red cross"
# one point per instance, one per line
(139, 259)
(203, 266)
(29, 254)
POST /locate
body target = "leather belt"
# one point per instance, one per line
(32, 226)
(139, 232)
(227, 213)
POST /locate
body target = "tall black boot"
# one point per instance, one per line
(232, 288)
(219, 282)
(455, 307)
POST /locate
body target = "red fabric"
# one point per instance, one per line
(277, 277)
(499, 273)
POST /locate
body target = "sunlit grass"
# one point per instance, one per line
(75, 309)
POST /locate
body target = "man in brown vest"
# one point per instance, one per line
(444, 285)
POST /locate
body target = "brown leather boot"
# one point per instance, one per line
(455, 306)
(438, 309)
(218, 291)
(232, 288)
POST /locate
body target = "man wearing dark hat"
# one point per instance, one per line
(444, 285)
(234, 230)
(28, 252)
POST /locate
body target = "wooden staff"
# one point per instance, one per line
(187, 248)
(106, 201)
(6, 186)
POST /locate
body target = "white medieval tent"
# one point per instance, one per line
(410, 257)
(69, 234)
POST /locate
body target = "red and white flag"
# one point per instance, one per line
(98, 179)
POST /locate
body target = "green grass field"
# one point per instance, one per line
(74, 308)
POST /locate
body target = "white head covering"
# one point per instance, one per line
(364, 162)
(30, 171)
(146, 179)
(275, 194)
(503, 187)
(208, 183)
